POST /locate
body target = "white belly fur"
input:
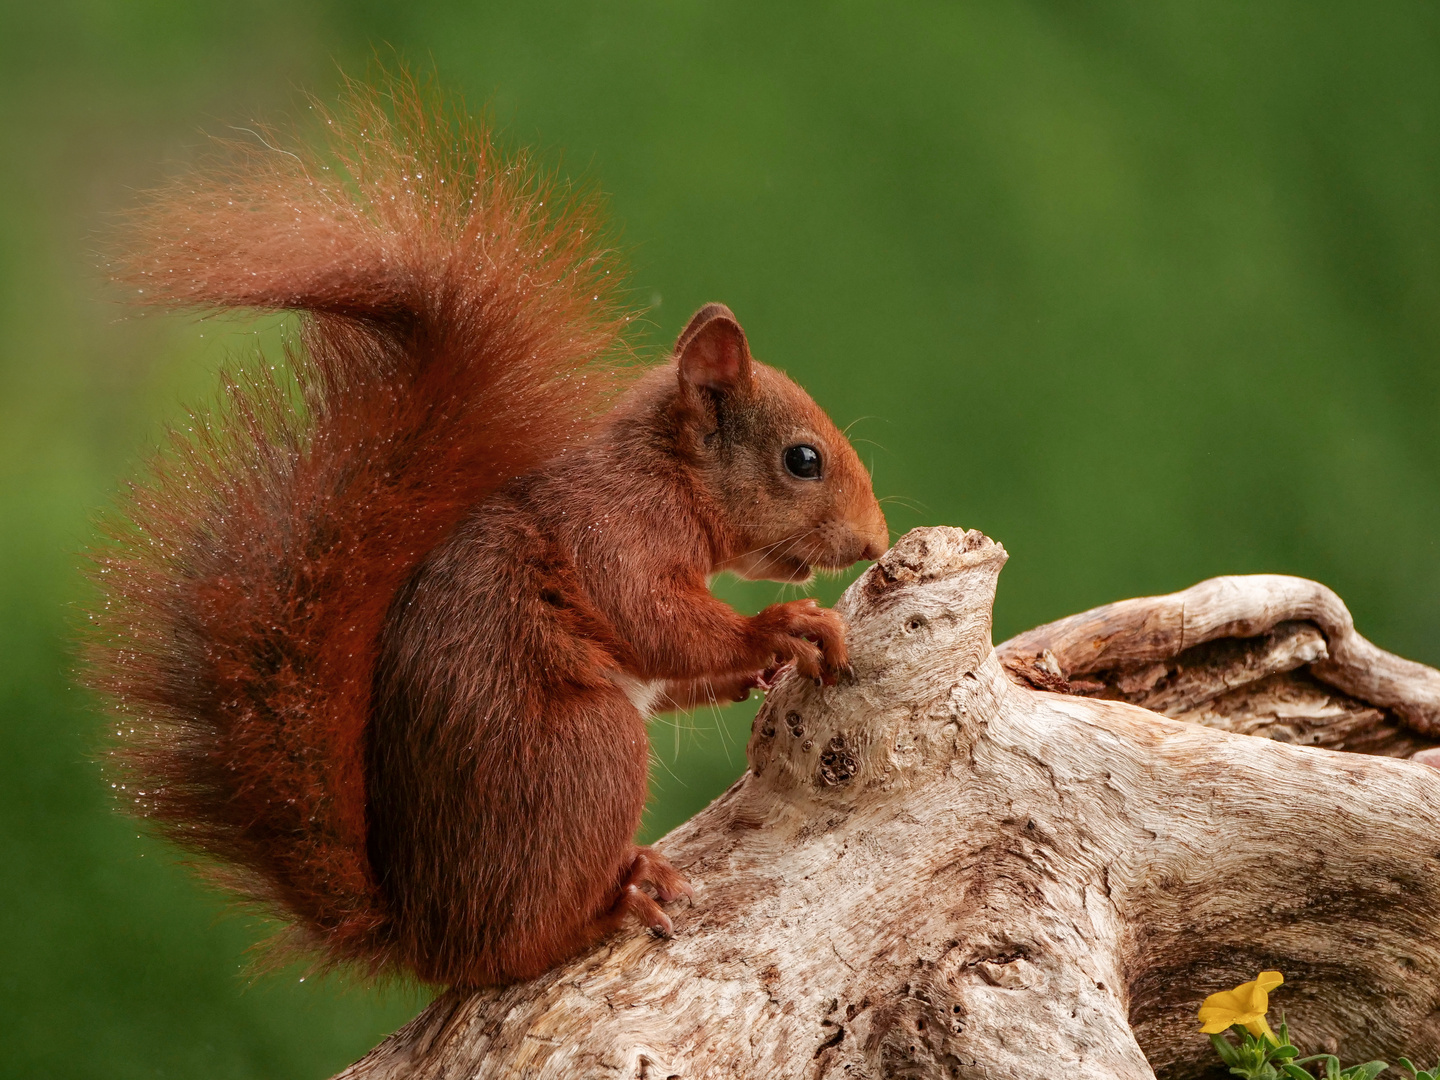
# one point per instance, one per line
(642, 694)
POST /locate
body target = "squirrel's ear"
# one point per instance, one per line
(712, 350)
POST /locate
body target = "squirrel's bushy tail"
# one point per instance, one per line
(458, 328)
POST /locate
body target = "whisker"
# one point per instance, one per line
(846, 429)
(717, 712)
(794, 537)
(658, 760)
(793, 544)
(906, 502)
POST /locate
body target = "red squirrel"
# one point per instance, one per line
(383, 643)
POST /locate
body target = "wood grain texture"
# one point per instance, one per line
(935, 870)
(1138, 650)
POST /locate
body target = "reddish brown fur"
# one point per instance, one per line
(373, 651)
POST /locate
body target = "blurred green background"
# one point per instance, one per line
(1149, 291)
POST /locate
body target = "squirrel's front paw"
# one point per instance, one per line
(811, 637)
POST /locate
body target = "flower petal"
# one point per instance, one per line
(1245, 1005)
(1257, 992)
(1226, 999)
(1253, 999)
(1209, 1014)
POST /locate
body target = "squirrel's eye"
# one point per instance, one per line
(803, 461)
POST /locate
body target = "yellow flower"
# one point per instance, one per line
(1246, 1005)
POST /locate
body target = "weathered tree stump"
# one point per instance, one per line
(960, 863)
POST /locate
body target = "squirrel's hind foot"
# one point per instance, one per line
(649, 867)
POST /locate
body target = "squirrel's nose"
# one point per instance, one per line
(877, 543)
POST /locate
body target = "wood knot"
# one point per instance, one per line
(1043, 671)
(923, 554)
(1008, 974)
(837, 763)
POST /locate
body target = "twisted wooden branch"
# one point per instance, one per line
(936, 869)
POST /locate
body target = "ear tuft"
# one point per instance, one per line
(712, 350)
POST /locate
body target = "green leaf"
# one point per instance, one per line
(1369, 1071)
(1295, 1072)
(1226, 1049)
(1420, 1074)
(1331, 1070)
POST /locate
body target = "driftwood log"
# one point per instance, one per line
(970, 862)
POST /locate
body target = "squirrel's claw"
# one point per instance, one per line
(649, 867)
(765, 680)
(637, 902)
